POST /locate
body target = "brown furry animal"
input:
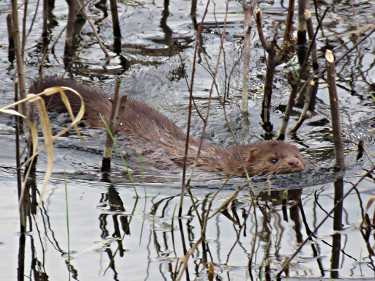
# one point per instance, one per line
(153, 128)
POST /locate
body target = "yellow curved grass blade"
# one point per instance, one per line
(46, 128)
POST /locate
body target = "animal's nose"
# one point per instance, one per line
(295, 163)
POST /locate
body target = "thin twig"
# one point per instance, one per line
(335, 112)
(94, 30)
(190, 110)
(214, 74)
(248, 10)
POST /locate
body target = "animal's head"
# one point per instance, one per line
(273, 157)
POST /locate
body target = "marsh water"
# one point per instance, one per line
(116, 235)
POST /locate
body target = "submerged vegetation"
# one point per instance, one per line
(202, 226)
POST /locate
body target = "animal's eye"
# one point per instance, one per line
(274, 160)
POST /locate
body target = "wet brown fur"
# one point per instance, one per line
(151, 126)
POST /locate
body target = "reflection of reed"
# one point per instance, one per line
(74, 25)
(115, 205)
(337, 226)
(121, 224)
(271, 206)
(38, 262)
(339, 197)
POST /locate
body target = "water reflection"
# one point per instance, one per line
(243, 236)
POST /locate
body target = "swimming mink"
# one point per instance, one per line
(151, 127)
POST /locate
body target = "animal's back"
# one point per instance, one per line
(138, 119)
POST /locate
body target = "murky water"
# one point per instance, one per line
(114, 235)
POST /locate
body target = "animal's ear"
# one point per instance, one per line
(252, 154)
